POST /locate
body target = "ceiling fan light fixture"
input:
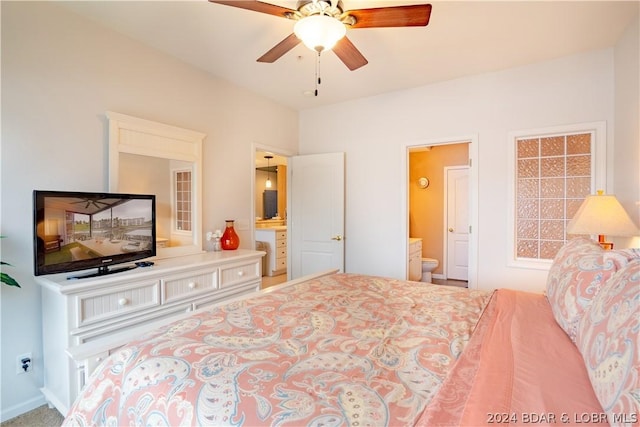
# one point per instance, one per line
(319, 32)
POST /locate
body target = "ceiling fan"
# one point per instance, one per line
(329, 18)
(90, 201)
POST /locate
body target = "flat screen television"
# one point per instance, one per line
(80, 230)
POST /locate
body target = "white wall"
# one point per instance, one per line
(60, 73)
(627, 127)
(568, 90)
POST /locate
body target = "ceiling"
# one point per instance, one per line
(276, 159)
(462, 38)
(83, 205)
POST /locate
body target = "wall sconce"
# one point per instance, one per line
(268, 182)
(602, 214)
(423, 182)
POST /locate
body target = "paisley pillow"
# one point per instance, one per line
(568, 294)
(579, 270)
(608, 338)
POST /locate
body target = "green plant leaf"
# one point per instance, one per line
(4, 277)
(8, 280)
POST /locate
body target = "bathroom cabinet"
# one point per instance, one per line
(276, 240)
(415, 259)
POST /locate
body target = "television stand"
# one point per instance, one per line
(102, 271)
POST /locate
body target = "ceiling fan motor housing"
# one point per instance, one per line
(318, 7)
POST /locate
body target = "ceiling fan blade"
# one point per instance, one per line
(256, 6)
(349, 54)
(397, 16)
(280, 49)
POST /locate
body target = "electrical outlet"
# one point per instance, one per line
(24, 363)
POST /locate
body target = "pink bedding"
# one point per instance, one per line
(519, 368)
(339, 350)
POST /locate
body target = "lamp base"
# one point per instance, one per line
(607, 246)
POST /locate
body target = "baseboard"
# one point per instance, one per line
(22, 408)
(437, 276)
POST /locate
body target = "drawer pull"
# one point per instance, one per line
(192, 285)
(123, 301)
(240, 273)
(98, 359)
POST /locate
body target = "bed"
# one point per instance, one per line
(349, 349)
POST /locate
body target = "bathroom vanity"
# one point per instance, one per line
(276, 240)
(415, 258)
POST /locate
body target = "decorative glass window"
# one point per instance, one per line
(183, 200)
(553, 173)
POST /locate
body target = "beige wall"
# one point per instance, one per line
(426, 206)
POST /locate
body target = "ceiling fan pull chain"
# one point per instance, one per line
(318, 81)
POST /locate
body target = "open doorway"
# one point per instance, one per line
(441, 212)
(270, 213)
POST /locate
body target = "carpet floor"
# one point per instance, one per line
(42, 416)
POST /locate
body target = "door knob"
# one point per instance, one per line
(337, 237)
(450, 230)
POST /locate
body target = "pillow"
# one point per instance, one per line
(578, 272)
(608, 338)
(567, 297)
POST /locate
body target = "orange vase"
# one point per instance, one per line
(230, 239)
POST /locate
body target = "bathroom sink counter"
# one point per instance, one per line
(275, 227)
(270, 223)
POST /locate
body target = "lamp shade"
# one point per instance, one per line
(319, 32)
(602, 214)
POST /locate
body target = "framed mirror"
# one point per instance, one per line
(147, 157)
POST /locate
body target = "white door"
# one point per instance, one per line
(457, 222)
(316, 214)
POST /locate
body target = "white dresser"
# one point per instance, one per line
(84, 320)
(276, 239)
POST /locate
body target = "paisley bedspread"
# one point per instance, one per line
(342, 349)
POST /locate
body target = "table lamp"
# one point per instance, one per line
(602, 214)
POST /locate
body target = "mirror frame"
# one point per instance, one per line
(132, 135)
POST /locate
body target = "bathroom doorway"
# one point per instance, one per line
(428, 210)
(269, 210)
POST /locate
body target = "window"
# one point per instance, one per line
(553, 173)
(182, 206)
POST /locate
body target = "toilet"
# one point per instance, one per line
(428, 265)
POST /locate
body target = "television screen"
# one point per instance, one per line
(77, 231)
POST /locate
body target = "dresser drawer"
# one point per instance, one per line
(175, 288)
(117, 302)
(240, 273)
(223, 295)
(281, 244)
(281, 235)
